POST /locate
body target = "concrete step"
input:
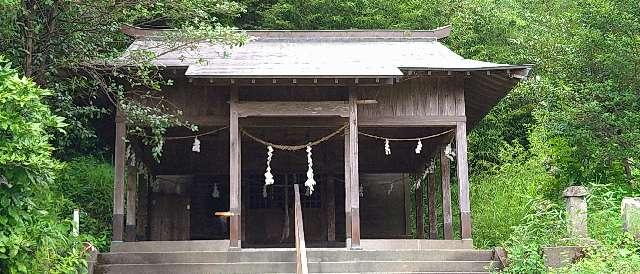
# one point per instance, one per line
(288, 255)
(169, 246)
(289, 267)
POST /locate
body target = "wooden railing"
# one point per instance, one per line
(301, 251)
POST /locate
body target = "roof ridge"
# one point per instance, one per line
(438, 33)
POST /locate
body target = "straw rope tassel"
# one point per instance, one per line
(310, 181)
(268, 177)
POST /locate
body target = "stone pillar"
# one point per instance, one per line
(576, 211)
(631, 216)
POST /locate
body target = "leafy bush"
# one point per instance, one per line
(86, 183)
(32, 238)
(503, 201)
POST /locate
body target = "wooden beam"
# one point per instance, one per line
(419, 210)
(410, 121)
(431, 196)
(234, 172)
(353, 170)
(306, 122)
(463, 180)
(445, 175)
(118, 179)
(132, 200)
(291, 108)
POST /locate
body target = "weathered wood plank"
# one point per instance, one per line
(234, 172)
(445, 175)
(118, 184)
(463, 180)
(420, 210)
(353, 170)
(132, 200)
(265, 109)
(431, 196)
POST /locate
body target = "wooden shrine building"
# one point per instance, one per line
(380, 111)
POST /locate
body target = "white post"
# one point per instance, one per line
(76, 222)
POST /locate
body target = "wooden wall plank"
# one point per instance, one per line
(420, 97)
(463, 180)
(132, 200)
(445, 175)
(459, 99)
(331, 209)
(118, 184)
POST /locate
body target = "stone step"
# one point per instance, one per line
(289, 267)
(223, 245)
(288, 255)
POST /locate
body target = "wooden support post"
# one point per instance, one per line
(132, 200)
(463, 180)
(234, 172)
(445, 175)
(118, 179)
(353, 170)
(431, 196)
(347, 186)
(420, 210)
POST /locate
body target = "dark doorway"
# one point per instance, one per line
(209, 194)
(269, 214)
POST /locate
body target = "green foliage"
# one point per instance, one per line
(32, 238)
(358, 14)
(63, 46)
(86, 183)
(503, 201)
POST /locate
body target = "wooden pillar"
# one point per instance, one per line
(431, 196)
(234, 172)
(347, 186)
(419, 209)
(445, 175)
(132, 200)
(353, 170)
(118, 179)
(463, 180)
